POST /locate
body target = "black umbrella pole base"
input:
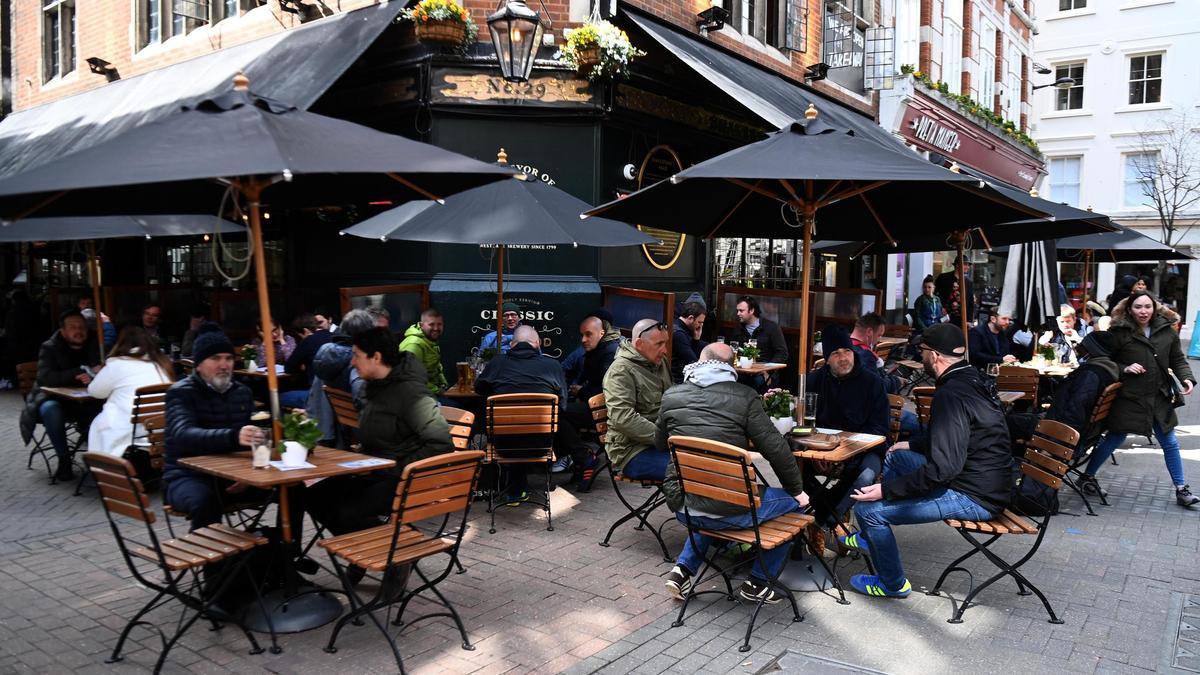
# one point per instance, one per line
(293, 615)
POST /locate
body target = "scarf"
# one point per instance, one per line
(704, 373)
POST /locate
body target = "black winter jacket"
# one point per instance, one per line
(770, 340)
(967, 448)
(858, 403)
(203, 421)
(1146, 398)
(400, 419)
(58, 364)
(302, 356)
(595, 365)
(987, 347)
(685, 350)
(523, 370)
(730, 413)
(1076, 397)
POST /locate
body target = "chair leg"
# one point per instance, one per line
(462, 630)
(1075, 488)
(642, 513)
(136, 620)
(1006, 569)
(836, 582)
(168, 644)
(82, 477)
(937, 588)
(549, 486)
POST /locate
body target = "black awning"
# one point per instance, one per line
(295, 66)
(776, 99)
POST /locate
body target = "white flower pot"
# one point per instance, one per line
(745, 362)
(783, 424)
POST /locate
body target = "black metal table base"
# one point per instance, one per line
(303, 611)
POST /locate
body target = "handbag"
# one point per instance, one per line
(1177, 388)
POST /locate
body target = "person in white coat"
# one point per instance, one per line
(135, 361)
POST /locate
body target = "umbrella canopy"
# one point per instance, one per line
(174, 164)
(114, 227)
(1119, 246)
(508, 213)
(1030, 293)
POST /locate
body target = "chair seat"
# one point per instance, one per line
(774, 532)
(201, 547)
(1006, 523)
(494, 456)
(369, 548)
(229, 508)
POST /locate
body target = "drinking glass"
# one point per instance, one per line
(736, 346)
(810, 409)
(721, 339)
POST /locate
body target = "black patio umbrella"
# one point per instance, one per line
(862, 190)
(111, 227)
(1119, 246)
(1030, 294)
(506, 213)
(241, 145)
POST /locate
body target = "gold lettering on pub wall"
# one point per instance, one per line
(541, 89)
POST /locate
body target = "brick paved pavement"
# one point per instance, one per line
(538, 601)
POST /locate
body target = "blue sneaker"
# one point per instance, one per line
(855, 542)
(869, 584)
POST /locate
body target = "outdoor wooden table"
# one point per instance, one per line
(461, 391)
(852, 445)
(70, 393)
(1050, 369)
(908, 363)
(1010, 397)
(760, 368)
(290, 611)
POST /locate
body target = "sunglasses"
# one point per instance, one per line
(647, 329)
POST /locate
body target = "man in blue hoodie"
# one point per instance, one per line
(510, 317)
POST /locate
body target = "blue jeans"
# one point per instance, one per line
(775, 503)
(650, 464)
(909, 423)
(54, 419)
(868, 470)
(876, 518)
(1170, 448)
(296, 398)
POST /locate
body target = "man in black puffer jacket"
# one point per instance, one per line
(711, 404)
(962, 470)
(208, 413)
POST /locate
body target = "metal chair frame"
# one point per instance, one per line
(1083, 453)
(41, 445)
(520, 414)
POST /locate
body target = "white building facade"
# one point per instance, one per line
(1136, 66)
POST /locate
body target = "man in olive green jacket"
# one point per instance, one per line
(633, 389)
(422, 340)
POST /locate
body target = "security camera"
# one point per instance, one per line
(629, 171)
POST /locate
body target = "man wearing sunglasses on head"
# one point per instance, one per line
(633, 390)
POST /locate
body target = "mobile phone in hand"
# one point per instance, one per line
(88, 370)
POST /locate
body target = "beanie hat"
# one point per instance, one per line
(834, 338)
(210, 341)
(510, 306)
(1098, 343)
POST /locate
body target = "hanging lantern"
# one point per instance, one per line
(516, 34)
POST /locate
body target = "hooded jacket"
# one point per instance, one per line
(1146, 398)
(203, 421)
(685, 349)
(968, 448)
(400, 419)
(1076, 397)
(331, 366)
(429, 353)
(720, 409)
(633, 391)
(857, 402)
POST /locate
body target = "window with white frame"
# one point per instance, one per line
(160, 20)
(952, 61)
(987, 68)
(1072, 97)
(1145, 79)
(58, 38)
(908, 32)
(1064, 180)
(1140, 169)
(1012, 83)
(1068, 5)
(765, 20)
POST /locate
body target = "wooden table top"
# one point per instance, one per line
(909, 363)
(236, 467)
(1010, 396)
(460, 390)
(259, 373)
(759, 367)
(846, 450)
(75, 393)
(1046, 369)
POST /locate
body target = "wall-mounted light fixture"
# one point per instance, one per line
(1060, 83)
(816, 72)
(713, 18)
(101, 67)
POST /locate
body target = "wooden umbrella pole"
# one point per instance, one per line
(805, 284)
(253, 190)
(500, 301)
(962, 289)
(94, 274)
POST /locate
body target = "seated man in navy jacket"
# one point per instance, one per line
(685, 340)
(850, 397)
(990, 342)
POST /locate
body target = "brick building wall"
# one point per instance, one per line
(106, 29)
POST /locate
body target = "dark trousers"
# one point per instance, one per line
(352, 503)
(197, 496)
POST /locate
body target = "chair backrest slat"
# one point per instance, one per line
(1048, 451)
(26, 376)
(1016, 378)
(532, 417)
(599, 407)
(149, 400)
(923, 397)
(343, 406)
(715, 470)
(1043, 477)
(119, 490)
(436, 486)
(1105, 402)
(460, 422)
(895, 410)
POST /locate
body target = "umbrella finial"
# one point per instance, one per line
(810, 113)
(502, 157)
(1089, 208)
(241, 82)
(954, 167)
(1033, 192)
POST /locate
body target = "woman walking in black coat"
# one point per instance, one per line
(1148, 351)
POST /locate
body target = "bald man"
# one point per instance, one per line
(633, 389)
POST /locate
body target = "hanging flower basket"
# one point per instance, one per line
(442, 32)
(599, 50)
(586, 59)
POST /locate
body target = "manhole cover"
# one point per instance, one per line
(798, 662)
(1186, 649)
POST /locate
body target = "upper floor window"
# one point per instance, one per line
(1145, 79)
(1068, 5)
(58, 38)
(1072, 98)
(778, 23)
(908, 32)
(1064, 180)
(952, 61)
(160, 20)
(1140, 171)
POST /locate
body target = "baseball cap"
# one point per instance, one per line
(944, 339)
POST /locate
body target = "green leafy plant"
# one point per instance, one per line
(301, 428)
(248, 353)
(429, 11)
(778, 402)
(609, 44)
(752, 353)
(1047, 352)
(972, 107)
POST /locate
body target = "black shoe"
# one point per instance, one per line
(1090, 486)
(1185, 497)
(64, 473)
(679, 582)
(753, 591)
(592, 468)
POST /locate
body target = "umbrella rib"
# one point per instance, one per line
(38, 206)
(731, 211)
(415, 188)
(852, 192)
(983, 235)
(878, 220)
(1009, 203)
(828, 192)
(792, 191)
(755, 188)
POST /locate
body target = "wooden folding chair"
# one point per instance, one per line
(149, 401)
(1024, 380)
(895, 411)
(460, 421)
(723, 472)
(1083, 452)
(437, 487)
(923, 397)
(346, 414)
(520, 432)
(642, 512)
(1046, 457)
(179, 560)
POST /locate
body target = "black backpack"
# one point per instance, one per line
(1034, 499)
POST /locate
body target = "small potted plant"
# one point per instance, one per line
(442, 22)
(1047, 352)
(248, 354)
(599, 50)
(298, 427)
(748, 354)
(780, 404)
